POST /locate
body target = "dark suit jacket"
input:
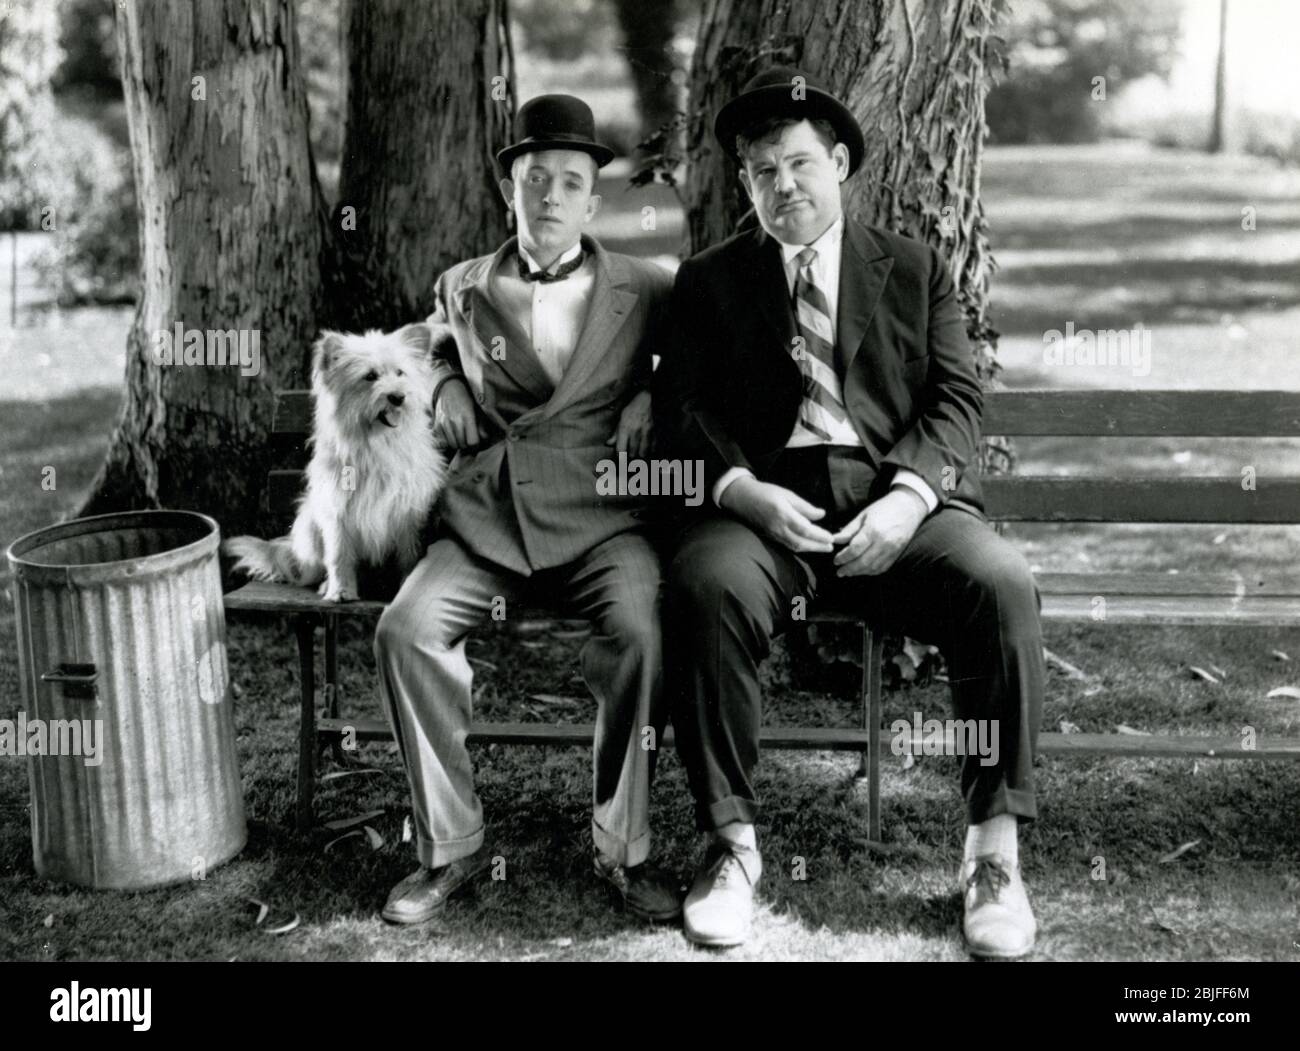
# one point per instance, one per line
(728, 391)
(526, 497)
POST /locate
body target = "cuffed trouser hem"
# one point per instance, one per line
(724, 812)
(621, 851)
(1002, 800)
(436, 855)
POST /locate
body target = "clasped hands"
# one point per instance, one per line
(869, 544)
(455, 421)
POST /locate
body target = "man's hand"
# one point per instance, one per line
(783, 515)
(877, 535)
(455, 422)
(632, 435)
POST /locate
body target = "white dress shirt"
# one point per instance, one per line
(553, 313)
(826, 276)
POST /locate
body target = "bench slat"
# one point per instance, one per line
(1062, 413)
(850, 739)
(1153, 413)
(1274, 501)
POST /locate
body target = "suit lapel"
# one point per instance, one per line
(515, 356)
(772, 293)
(611, 303)
(864, 268)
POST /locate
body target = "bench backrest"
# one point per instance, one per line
(1227, 499)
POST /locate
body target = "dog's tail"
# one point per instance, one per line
(269, 560)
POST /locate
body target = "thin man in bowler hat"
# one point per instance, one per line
(548, 373)
(821, 370)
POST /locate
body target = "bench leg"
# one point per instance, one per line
(305, 630)
(873, 652)
(332, 681)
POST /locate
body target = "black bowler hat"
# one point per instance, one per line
(554, 122)
(784, 91)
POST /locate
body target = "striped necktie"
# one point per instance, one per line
(821, 411)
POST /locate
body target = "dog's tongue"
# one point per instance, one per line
(383, 418)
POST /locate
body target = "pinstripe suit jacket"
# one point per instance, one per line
(525, 497)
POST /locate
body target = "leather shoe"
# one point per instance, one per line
(720, 905)
(998, 920)
(422, 894)
(647, 890)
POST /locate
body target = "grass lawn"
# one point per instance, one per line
(1113, 243)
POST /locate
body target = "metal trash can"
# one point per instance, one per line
(122, 632)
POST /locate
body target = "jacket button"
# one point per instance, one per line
(479, 476)
(481, 398)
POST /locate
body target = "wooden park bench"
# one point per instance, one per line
(1187, 598)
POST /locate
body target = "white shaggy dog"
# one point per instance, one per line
(374, 472)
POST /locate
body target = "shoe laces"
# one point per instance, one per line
(989, 877)
(727, 869)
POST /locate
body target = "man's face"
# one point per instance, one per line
(551, 194)
(794, 181)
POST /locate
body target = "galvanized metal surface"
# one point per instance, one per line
(138, 596)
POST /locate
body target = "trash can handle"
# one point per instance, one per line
(78, 679)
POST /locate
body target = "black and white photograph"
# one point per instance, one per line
(657, 481)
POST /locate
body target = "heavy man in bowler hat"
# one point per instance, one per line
(820, 368)
(547, 375)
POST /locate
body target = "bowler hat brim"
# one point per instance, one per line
(778, 100)
(534, 144)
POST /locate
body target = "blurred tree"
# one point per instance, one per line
(235, 230)
(1056, 50)
(1215, 144)
(648, 28)
(89, 63)
(29, 53)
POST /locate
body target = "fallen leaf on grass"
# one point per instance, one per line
(561, 943)
(483, 664)
(376, 840)
(262, 909)
(1201, 673)
(1067, 727)
(351, 822)
(283, 928)
(1162, 925)
(1218, 671)
(909, 760)
(1291, 692)
(1174, 855)
(1280, 655)
(1122, 729)
(408, 829)
(48, 921)
(339, 839)
(1061, 664)
(555, 699)
(334, 775)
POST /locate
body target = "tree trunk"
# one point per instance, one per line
(419, 156)
(647, 37)
(914, 73)
(230, 230)
(235, 232)
(1215, 145)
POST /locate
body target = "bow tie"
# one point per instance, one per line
(561, 272)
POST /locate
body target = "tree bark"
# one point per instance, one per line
(914, 73)
(419, 155)
(231, 233)
(648, 36)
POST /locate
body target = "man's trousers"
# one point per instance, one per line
(425, 679)
(957, 584)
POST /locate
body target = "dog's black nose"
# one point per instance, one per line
(396, 399)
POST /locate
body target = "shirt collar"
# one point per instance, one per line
(534, 268)
(830, 238)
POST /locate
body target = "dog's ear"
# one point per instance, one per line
(325, 352)
(416, 335)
